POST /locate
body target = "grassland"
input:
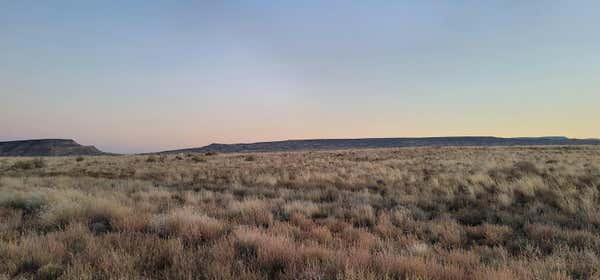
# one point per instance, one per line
(414, 213)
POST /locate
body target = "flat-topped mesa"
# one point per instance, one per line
(362, 143)
(46, 147)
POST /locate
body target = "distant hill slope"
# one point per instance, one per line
(46, 147)
(335, 144)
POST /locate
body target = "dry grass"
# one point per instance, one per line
(415, 213)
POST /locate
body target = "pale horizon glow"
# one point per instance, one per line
(147, 76)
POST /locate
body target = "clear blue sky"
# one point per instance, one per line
(152, 75)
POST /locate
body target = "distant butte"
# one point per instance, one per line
(46, 147)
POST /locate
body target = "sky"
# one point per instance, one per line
(141, 76)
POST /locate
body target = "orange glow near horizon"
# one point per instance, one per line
(142, 77)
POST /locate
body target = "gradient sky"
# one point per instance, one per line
(154, 75)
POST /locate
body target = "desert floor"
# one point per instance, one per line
(414, 213)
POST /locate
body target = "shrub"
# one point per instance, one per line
(525, 167)
(273, 254)
(246, 250)
(190, 226)
(252, 212)
(156, 256)
(447, 232)
(308, 208)
(29, 164)
(100, 225)
(490, 235)
(197, 158)
(50, 272)
(29, 204)
(151, 159)
(363, 216)
(28, 266)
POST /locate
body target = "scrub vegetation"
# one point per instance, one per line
(411, 213)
